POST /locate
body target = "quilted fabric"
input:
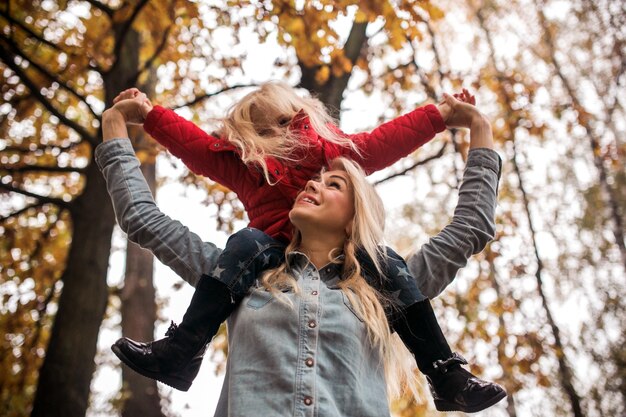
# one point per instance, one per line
(268, 205)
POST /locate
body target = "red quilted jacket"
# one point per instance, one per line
(268, 205)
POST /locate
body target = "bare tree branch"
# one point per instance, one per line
(148, 64)
(14, 101)
(438, 155)
(34, 168)
(20, 149)
(42, 199)
(566, 375)
(436, 53)
(609, 196)
(41, 306)
(333, 91)
(122, 30)
(8, 60)
(430, 91)
(433, 93)
(203, 97)
(52, 78)
(20, 211)
(43, 40)
(30, 32)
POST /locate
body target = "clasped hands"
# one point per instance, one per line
(457, 111)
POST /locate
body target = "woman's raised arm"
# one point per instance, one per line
(435, 265)
(137, 213)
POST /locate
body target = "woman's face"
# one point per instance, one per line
(326, 204)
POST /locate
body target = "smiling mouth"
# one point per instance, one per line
(308, 200)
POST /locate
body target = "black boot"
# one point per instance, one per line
(175, 360)
(453, 388)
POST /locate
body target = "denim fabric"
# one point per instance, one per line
(137, 214)
(311, 358)
(247, 254)
(250, 252)
(396, 282)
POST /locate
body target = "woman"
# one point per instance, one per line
(319, 350)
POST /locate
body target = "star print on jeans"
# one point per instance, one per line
(402, 272)
(395, 296)
(217, 272)
(242, 266)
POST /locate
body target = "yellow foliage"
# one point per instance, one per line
(434, 12)
(362, 64)
(322, 74)
(295, 26)
(361, 17)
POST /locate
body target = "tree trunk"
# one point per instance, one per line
(566, 375)
(508, 381)
(138, 317)
(65, 376)
(608, 193)
(67, 370)
(139, 312)
(331, 93)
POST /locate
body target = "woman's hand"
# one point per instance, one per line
(113, 125)
(459, 110)
(133, 105)
(447, 111)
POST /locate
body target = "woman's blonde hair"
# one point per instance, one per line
(259, 125)
(366, 234)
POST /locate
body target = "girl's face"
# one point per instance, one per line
(325, 204)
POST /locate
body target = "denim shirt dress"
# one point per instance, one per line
(309, 357)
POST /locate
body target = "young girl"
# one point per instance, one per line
(268, 147)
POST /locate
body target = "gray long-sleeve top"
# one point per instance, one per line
(434, 266)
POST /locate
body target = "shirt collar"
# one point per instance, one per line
(298, 262)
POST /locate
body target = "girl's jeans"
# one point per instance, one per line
(250, 251)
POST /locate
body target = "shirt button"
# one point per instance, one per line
(314, 292)
(276, 172)
(306, 127)
(312, 324)
(298, 167)
(309, 362)
(308, 400)
(217, 145)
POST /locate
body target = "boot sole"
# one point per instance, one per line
(442, 405)
(170, 380)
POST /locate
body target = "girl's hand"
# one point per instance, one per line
(133, 105)
(459, 110)
(126, 94)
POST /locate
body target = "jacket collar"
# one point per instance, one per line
(299, 120)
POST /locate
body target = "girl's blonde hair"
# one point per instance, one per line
(366, 234)
(259, 125)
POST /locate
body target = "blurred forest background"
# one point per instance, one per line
(541, 310)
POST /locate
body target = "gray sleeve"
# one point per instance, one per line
(435, 265)
(138, 215)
